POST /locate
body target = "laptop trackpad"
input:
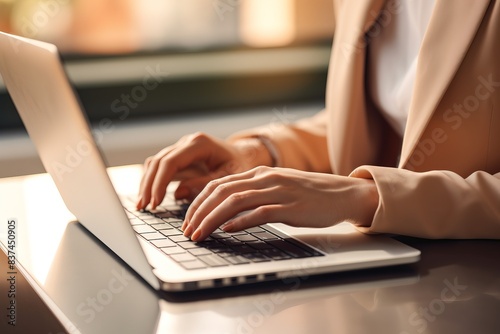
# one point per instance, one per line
(340, 238)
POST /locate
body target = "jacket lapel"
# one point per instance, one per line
(451, 31)
(349, 142)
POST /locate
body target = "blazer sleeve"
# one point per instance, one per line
(300, 145)
(435, 204)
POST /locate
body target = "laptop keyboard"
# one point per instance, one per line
(162, 228)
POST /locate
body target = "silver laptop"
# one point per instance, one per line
(151, 243)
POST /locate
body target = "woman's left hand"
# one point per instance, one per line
(289, 196)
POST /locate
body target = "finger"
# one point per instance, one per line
(220, 178)
(145, 167)
(192, 189)
(262, 215)
(150, 170)
(163, 169)
(225, 186)
(205, 221)
(176, 160)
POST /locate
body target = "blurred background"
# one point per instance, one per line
(166, 63)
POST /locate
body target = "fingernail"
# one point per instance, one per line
(153, 204)
(138, 204)
(196, 235)
(228, 227)
(184, 225)
(188, 231)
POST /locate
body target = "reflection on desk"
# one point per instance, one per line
(455, 288)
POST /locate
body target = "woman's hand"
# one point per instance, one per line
(195, 160)
(293, 197)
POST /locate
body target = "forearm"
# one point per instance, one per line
(436, 204)
(301, 145)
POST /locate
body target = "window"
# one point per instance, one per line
(203, 54)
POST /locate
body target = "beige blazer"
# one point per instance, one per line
(442, 180)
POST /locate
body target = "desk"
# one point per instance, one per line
(455, 288)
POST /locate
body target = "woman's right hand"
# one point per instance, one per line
(195, 160)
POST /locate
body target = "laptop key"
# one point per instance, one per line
(290, 249)
(190, 265)
(237, 259)
(254, 229)
(151, 219)
(143, 229)
(129, 214)
(173, 250)
(172, 220)
(162, 226)
(222, 235)
(245, 237)
(199, 251)
(176, 224)
(188, 244)
(182, 257)
(242, 249)
(165, 214)
(152, 236)
(219, 248)
(136, 221)
(256, 257)
(230, 241)
(265, 235)
(169, 232)
(177, 213)
(227, 253)
(178, 238)
(213, 260)
(259, 245)
(275, 254)
(163, 243)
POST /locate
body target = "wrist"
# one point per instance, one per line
(369, 197)
(253, 152)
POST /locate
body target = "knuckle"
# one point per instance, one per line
(236, 198)
(272, 175)
(222, 190)
(199, 137)
(264, 213)
(212, 185)
(156, 158)
(262, 170)
(163, 162)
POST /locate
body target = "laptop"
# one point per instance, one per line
(151, 243)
